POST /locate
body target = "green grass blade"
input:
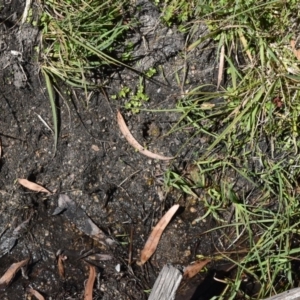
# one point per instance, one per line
(234, 122)
(53, 107)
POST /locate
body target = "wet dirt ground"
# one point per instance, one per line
(119, 189)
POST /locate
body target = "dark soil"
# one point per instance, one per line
(118, 188)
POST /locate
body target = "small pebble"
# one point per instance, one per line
(193, 209)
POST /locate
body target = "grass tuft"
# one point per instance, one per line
(246, 174)
(51, 95)
(79, 37)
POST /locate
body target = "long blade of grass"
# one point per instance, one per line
(234, 122)
(53, 107)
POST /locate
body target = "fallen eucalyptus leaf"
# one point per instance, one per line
(193, 269)
(133, 142)
(60, 266)
(88, 293)
(11, 272)
(156, 233)
(33, 186)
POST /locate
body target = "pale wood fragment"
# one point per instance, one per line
(166, 284)
(293, 294)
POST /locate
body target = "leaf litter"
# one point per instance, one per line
(33, 186)
(294, 49)
(134, 143)
(11, 272)
(60, 265)
(193, 269)
(153, 239)
(88, 293)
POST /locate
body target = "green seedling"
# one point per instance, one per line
(150, 72)
(176, 11)
(138, 97)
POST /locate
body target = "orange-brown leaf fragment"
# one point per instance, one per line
(11, 272)
(60, 265)
(133, 142)
(295, 51)
(156, 233)
(33, 186)
(193, 269)
(35, 293)
(88, 293)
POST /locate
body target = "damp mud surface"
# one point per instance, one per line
(119, 189)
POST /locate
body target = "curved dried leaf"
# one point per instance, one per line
(133, 142)
(60, 266)
(33, 186)
(193, 269)
(11, 272)
(35, 293)
(156, 233)
(295, 51)
(88, 292)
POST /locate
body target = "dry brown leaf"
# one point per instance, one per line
(33, 186)
(11, 272)
(295, 51)
(133, 142)
(88, 292)
(156, 233)
(60, 265)
(35, 293)
(193, 269)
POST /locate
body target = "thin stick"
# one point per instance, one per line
(26, 10)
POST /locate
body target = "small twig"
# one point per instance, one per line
(26, 10)
(45, 123)
(221, 66)
(185, 69)
(119, 185)
(130, 247)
